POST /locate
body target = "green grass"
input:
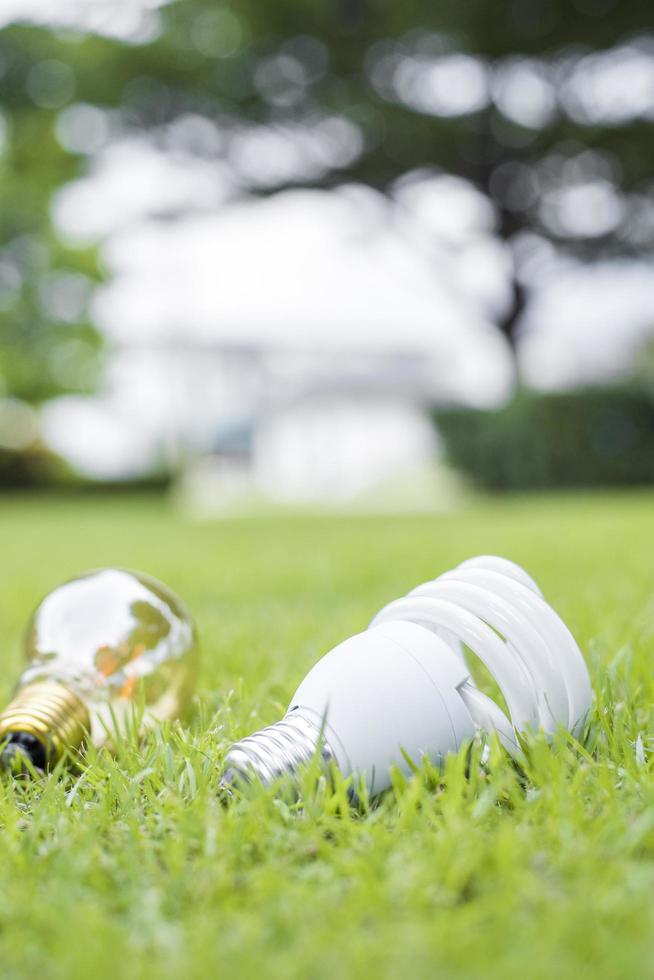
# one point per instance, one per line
(136, 870)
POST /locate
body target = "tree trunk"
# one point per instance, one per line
(509, 324)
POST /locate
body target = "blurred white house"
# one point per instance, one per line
(291, 348)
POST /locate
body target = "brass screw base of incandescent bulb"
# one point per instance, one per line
(48, 712)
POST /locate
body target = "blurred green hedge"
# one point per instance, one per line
(38, 468)
(34, 466)
(599, 436)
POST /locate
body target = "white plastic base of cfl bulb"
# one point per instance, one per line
(403, 689)
(412, 705)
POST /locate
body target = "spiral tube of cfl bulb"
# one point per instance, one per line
(96, 648)
(403, 689)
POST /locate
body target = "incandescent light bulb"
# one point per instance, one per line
(403, 689)
(96, 647)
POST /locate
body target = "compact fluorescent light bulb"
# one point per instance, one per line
(95, 647)
(403, 688)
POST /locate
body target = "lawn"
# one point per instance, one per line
(137, 870)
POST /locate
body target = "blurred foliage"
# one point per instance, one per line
(388, 88)
(33, 467)
(592, 437)
(39, 468)
(644, 366)
(47, 343)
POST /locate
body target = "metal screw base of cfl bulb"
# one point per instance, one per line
(49, 712)
(276, 751)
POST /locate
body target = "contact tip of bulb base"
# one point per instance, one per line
(44, 721)
(22, 755)
(230, 778)
(234, 782)
(227, 787)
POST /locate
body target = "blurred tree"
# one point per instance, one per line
(47, 344)
(542, 105)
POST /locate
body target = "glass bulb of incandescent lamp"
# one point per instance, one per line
(403, 689)
(96, 648)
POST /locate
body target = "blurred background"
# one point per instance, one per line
(345, 253)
